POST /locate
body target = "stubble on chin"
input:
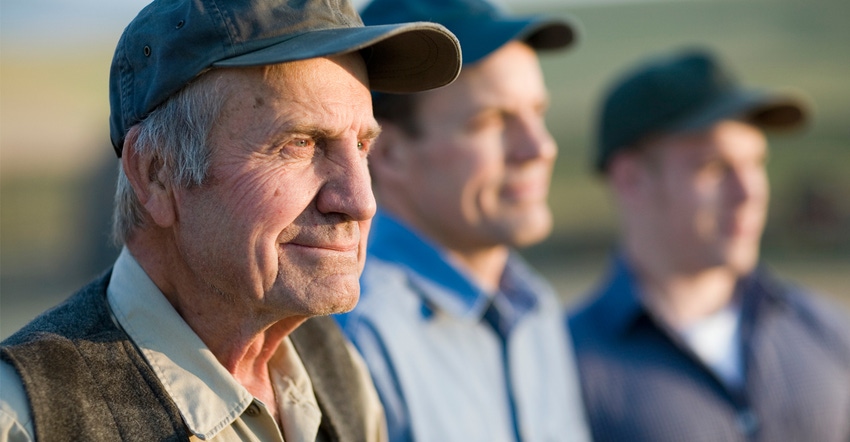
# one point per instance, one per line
(319, 287)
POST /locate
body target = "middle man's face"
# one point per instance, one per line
(484, 158)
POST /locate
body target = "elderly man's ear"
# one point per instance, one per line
(150, 182)
(391, 155)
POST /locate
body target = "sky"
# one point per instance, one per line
(28, 24)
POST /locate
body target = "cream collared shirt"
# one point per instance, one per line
(214, 406)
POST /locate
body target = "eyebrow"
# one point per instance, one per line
(316, 132)
(372, 132)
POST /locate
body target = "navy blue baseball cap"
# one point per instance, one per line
(689, 90)
(480, 26)
(171, 42)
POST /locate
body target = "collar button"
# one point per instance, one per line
(253, 410)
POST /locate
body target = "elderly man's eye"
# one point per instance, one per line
(365, 146)
(298, 147)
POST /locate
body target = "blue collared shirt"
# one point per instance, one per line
(454, 363)
(642, 383)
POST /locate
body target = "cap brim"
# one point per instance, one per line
(399, 58)
(547, 34)
(767, 111)
(482, 36)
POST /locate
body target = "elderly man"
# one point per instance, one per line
(689, 338)
(464, 340)
(243, 204)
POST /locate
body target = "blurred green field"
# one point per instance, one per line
(53, 110)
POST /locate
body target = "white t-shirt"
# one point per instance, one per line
(716, 339)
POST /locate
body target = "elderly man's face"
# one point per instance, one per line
(706, 196)
(484, 157)
(283, 219)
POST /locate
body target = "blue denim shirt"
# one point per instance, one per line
(642, 383)
(454, 363)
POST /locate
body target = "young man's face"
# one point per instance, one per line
(481, 165)
(707, 196)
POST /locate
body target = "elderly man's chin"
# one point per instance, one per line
(330, 295)
(318, 284)
(339, 297)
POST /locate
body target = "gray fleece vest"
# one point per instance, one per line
(87, 381)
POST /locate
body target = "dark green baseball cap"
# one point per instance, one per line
(480, 26)
(171, 42)
(689, 90)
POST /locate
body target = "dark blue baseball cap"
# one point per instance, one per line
(171, 42)
(480, 26)
(686, 91)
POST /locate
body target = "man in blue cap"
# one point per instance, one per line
(243, 205)
(463, 338)
(688, 338)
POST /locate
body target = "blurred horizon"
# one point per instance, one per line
(57, 167)
(39, 38)
(87, 21)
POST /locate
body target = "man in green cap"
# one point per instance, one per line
(689, 338)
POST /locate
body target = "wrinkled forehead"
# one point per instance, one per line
(299, 76)
(329, 94)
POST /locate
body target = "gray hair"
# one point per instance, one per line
(176, 134)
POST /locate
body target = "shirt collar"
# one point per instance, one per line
(761, 292)
(522, 290)
(443, 284)
(620, 298)
(207, 395)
